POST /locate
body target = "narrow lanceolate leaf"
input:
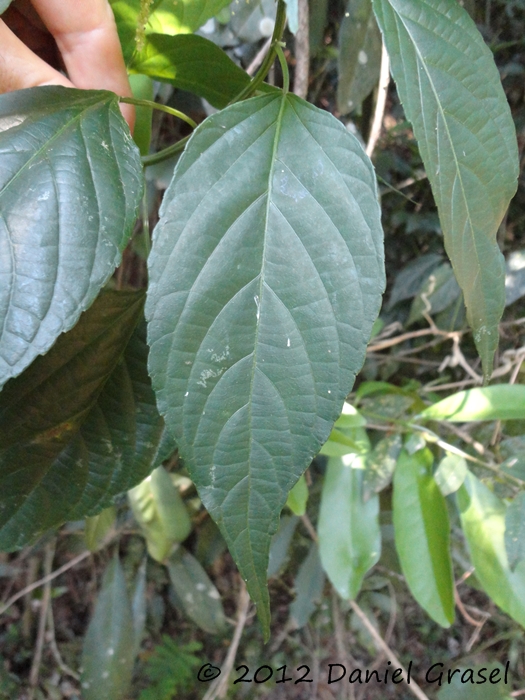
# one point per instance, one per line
(452, 94)
(496, 402)
(266, 275)
(308, 584)
(195, 592)
(70, 185)
(349, 534)
(422, 535)
(515, 530)
(483, 521)
(359, 58)
(109, 647)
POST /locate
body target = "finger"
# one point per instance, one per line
(20, 68)
(87, 38)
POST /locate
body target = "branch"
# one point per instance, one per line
(219, 688)
(413, 687)
(377, 123)
(302, 51)
(44, 580)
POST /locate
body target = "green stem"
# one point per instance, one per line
(284, 67)
(280, 23)
(163, 108)
(165, 153)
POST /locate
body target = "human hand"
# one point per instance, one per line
(85, 34)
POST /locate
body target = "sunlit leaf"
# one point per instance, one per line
(298, 497)
(160, 511)
(97, 528)
(496, 402)
(191, 63)
(450, 474)
(252, 356)
(422, 535)
(164, 17)
(348, 527)
(70, 185)
(108, 653)
(483, 520)
(451, 92)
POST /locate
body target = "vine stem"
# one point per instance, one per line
(162, 108)
(165, 153)
(44, 580)
(384, 81)
(284, 67)
(219, 688)
(280, 23)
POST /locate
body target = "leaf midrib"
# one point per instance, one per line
(442, 114)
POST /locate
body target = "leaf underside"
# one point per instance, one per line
(451, 92)
(63, 460)
(266, 275)
(70, 185)
(483, 520)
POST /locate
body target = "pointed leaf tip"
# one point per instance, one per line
(451, 92)
(266, 277)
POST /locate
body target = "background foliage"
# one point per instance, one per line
(175, 606)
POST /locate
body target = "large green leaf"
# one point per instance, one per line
(109, 648)
(43, 471)
(67, 459)
(452, 94)
(483, 520)
(191, 63)
(266, 274)
(348, 528)
(359, 59)
(70, 185)
(496, 402)
(422, 535)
